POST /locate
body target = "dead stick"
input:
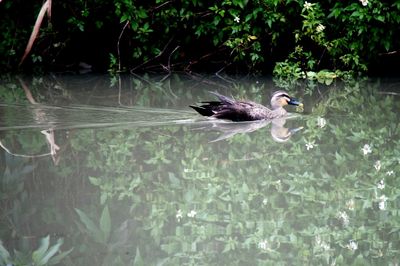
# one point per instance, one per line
(151, 59)
(35, 30)
(119, 39)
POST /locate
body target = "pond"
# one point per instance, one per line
(100, 170)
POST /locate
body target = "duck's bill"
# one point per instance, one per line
(295, 102)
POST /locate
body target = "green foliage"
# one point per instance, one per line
(254, 35)
(44, 255)
(99, 233)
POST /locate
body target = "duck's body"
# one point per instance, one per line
(227, 108)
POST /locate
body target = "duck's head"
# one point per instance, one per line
(281, 98)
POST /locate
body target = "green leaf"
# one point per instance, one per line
(386, 44)
(91, 227)
(328, 81)
(4, 254)
(103, 197)
(94, 180)
(380, 18)
(51, 252)
(174, 181)
(57, 259)
(87, 221)
(38, 254)
(138, 261)
(105, 223)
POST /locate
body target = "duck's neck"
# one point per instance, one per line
(279, 111)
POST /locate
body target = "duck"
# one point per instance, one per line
(231, 109)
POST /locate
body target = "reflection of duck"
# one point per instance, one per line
(228, 129)
(227, 108)
(280, 133)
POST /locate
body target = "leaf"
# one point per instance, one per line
(50, 253)
(103, 197)
(94, 180)
(138, 261)
(380, 18)
(4, 254)
(105, 223)
(387, 45)
(38, 254)
(87, 221)
(174, 181)
(57, 259)
(328, 81)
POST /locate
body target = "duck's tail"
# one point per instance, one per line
(203, 110)
(224, 99)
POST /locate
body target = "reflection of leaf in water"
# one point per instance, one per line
(100, 233)
(246, 190)
(15, 173)
(138, 261)
(89, 224)
(44, 245)
(105, 223)
(5, 257)
(44, 255)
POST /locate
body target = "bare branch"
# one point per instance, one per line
(154, 58)
(45, 8)
(119, 39)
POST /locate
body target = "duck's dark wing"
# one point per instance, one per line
(223, 99)
(235, 111)
(238, 111)
(212, 107)
(228, 108)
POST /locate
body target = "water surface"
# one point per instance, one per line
(103, 171)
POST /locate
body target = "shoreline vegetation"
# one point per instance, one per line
(321, 40)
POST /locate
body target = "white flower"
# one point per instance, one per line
(382, 202)
(320, 28)
(321, 122)
(179, 215)
(263, 245)
(307, 5)
(236, 19)
(364, 2)
(389, 173)
(192, 214)
(381, 184)
(265, 201)
(366, 149)
(352, 245)
(350, 205)
(378, 165)
(322, 244)
(344, 218)
(310, 145)
(278, 184)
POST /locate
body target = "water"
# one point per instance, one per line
(96, 171)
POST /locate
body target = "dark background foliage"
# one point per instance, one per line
(200, 35)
